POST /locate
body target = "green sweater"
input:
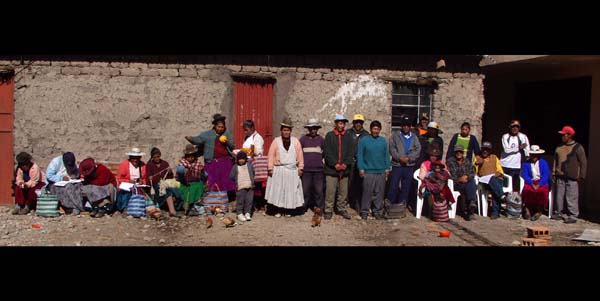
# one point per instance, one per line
(331, 155)
(373, 155)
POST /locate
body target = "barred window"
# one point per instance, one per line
(410, 100)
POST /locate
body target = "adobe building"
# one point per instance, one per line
(102, 106)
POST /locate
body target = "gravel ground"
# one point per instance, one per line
(271, 231)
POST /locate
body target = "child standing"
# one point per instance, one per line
(243, 175)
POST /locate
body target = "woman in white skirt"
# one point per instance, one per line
(284, 187)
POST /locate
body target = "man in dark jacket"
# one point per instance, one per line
(355, 182)
(338, 152)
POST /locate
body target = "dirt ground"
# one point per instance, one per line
(272, 231)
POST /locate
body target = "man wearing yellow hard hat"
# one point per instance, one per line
(354, 180)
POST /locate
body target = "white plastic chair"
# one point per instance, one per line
(481, 193)
(549, 196)
(451, 211)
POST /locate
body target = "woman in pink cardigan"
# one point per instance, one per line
(29, 178)
(286, 162)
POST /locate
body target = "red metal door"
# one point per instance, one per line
(7, 107)
(253, 99)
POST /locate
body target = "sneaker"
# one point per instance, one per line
(346, 215)
(557, 217)
(379, 217)
(16, 210)
(570, 220)
(328, 215)
(364, 217)
(288, 215)
(248, 217)
(278, 215)
(75, 212)
(494, 216)
(241, 217)
(24, 211)
(467, 217)
(536, 216)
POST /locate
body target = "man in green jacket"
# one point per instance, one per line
(338, 151)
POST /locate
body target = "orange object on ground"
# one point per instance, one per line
(36, 226)
(444, 233)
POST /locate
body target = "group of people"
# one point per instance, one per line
(345, 168)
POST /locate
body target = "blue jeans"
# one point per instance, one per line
(495, 187)
(469, 190)
(404, 174)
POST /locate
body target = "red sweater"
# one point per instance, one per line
(103, 177)
(123, 173)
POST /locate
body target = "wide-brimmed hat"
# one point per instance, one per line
(87, 166)
(135, 152)
(312, 123)
(190, 149)
(536, 150)
(287, 122)
(340, 117)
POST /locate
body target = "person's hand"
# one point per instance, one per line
(404, 160)
(343, 166)
(361, 173)
(270, 173)
(337, 167)
(188, 138)
(523, 146)
(536, 186)
(300, 172)
(500, 175)
(387, 174)
(151, 178)
(463, 179)
(65, 178)
(478, 161)
(553, 179)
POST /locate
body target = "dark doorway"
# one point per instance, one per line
(544, 107)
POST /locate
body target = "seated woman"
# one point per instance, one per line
(434, 155)
(157, 170)
(434, 189)
(99, 186)
(64, 168)
(189, 173)
(29, 178)
(536, 173)
(133, 171)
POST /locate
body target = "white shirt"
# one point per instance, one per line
(511, 157)
(134, 172)
(535, 170)
(257, 140)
